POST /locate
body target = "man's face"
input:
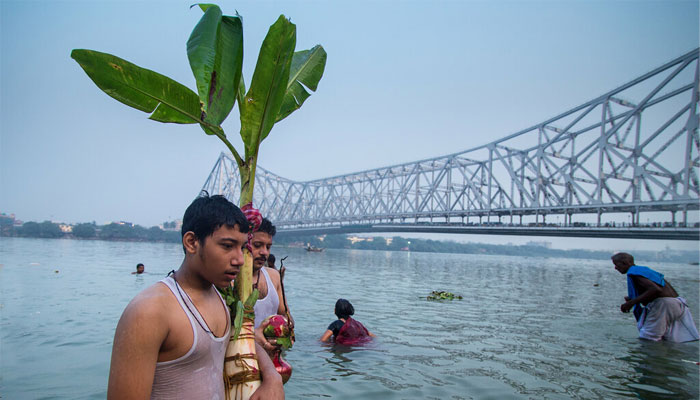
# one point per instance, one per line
(621, 267)
(261, 244)
(139, 269)
(221, 255)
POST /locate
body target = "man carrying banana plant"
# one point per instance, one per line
(281, 82)
(271, 299)
(171, 339)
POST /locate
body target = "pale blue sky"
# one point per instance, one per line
(405, 80)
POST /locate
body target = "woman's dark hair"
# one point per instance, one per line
(271, 259)
(343, 309)
(207, 213)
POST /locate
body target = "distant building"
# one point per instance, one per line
(66, 228)
(355, 239)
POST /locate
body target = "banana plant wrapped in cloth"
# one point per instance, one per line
(281, 83)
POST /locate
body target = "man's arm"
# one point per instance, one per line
(648, 289)
(141, 331)
(326, 335)
(271, 386)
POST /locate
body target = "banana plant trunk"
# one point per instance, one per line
(241, 370)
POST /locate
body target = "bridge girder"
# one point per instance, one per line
(634, 149)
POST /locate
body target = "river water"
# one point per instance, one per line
(527, 328)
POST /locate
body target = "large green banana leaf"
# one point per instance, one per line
(143, 89)
(261, 105)
(215, 52)
(306, 71)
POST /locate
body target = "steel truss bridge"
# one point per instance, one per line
(631, 151)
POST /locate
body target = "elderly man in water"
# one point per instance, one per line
(661, 314)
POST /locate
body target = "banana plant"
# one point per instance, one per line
(280, 84)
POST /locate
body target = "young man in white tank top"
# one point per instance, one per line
(271, 300)
(171, 339)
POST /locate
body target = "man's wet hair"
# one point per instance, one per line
(267, 227)
(624, 258)
(208, 213)
(139, 265)
(271, 259)
(343, 309)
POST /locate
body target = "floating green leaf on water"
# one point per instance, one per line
(443, 295)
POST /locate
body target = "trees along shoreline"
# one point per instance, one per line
(125, 232)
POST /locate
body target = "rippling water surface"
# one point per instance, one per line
(527, 328)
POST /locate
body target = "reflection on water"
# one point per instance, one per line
(527, 328)
(658, 370)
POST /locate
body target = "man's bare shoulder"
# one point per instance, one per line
(274, 275)
(152, 304)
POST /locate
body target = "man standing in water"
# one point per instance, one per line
(660, 312)
(171, 339)
(271, 300)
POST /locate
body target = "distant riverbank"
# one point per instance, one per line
(534, 249)
(136, 233)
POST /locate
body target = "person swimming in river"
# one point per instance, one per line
(346, 330)
(139, 269)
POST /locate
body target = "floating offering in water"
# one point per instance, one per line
(443, 295)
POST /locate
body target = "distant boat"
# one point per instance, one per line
(314, 249)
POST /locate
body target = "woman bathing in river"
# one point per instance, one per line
(346, 330)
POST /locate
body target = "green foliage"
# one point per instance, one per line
(30, 229)
(305, 72)
(46, 229)
(262, 103)
(140, 88)
(117, 231)
(169, 225)
(215, 52)
(238, 308)
(443, 295)
(84, 231)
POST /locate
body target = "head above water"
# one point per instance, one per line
(622, 262)
(139, 268)
(207, 213)
(343, 309)
(271, 261)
